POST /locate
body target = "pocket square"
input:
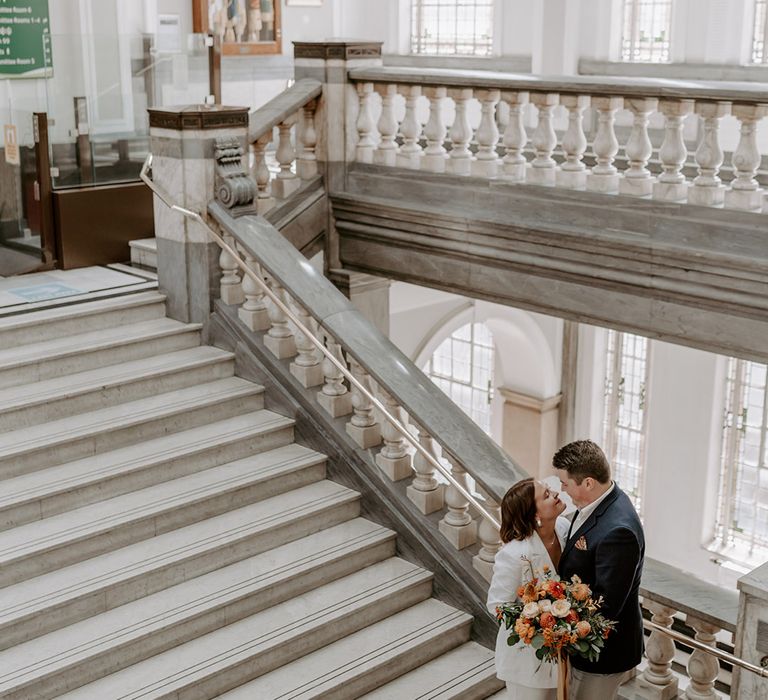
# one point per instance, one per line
(581, 543)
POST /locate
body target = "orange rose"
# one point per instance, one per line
(555, 589)
(572, 616)
(580, 591)
(583, 628)
(547, 620)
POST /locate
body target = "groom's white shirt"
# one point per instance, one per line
(586, 511)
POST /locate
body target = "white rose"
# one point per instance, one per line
(545, 605)
(531, 610)
(560, 608)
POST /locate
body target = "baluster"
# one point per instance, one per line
(543, 166)
(386, 152)
(393, 458)
(306, 367)
(703, 668)
(334, 397)
(261, 174)
(745, 192)
(637, 180)
(670, 185)
(515, 137)
(425, 491)
(457, 526)
(362, 427)
(365, 125)
(604, 177)
(490, 541)
(307, 163)
(253, 313)
(460, 158)
(435, 131)
(279, 339)
(707, 188)
(231, 291)
(286, 182)
(657, 680)
(486, 164)
(409, 155)
(573, 173)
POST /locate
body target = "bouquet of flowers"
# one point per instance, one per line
(558, 619)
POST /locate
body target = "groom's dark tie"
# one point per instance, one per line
(570, 529)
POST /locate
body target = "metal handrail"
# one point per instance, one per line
(318, 343)
(714, 651)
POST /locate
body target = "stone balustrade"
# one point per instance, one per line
(377, 413)
(287, 126)
(669, 595)
(498, 147)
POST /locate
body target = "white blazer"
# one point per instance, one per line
(518, 664)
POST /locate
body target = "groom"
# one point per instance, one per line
(605, 548)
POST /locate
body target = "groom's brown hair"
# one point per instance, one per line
(581, 459)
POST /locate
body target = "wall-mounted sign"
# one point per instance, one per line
(11, 144)
(25, 39)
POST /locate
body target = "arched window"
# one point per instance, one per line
(646, 30)
(452, 27)
(742, 519)
(462, 366)
(624, 420)
(760, 32)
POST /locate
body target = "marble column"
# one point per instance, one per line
(337, 111)
(369, 295)
(182, 141)
(529, 430)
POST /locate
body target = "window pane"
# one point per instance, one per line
(646, 29)
(445, 27)
(462, 366)
(760, 27)
(626, 378)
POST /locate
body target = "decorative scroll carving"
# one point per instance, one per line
(234, 188)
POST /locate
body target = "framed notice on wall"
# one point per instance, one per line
(245, 27)
(25, 39)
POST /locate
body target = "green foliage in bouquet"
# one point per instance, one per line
(557, 618)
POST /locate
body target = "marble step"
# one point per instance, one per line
(366, 659)
(27, 449)
(60, 540)
(78, 353)
(47, 492)
(111, 641)
(144, 252)
(40, 326)
(76, 592)
(233, 655)
(465, 673)
(103, 387)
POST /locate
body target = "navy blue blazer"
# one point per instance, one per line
(612, 565)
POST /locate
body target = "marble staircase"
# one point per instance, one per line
(163, 535)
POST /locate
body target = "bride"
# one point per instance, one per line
(531, 529)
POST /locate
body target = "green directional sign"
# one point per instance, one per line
(25, 39)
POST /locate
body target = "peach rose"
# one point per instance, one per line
(560, 608)
(583, 628)
(545, 605)
(547, 620)
(580, 591)
(531, 610)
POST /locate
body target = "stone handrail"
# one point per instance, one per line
(291, 111)
(414, 392)
(285, 105)
(502, 142)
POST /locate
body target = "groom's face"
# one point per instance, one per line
(581, 494)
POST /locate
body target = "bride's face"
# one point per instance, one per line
(548, 503)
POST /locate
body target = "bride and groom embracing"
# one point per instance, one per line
(603, 545)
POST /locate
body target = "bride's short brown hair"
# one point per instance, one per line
(518, 511)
